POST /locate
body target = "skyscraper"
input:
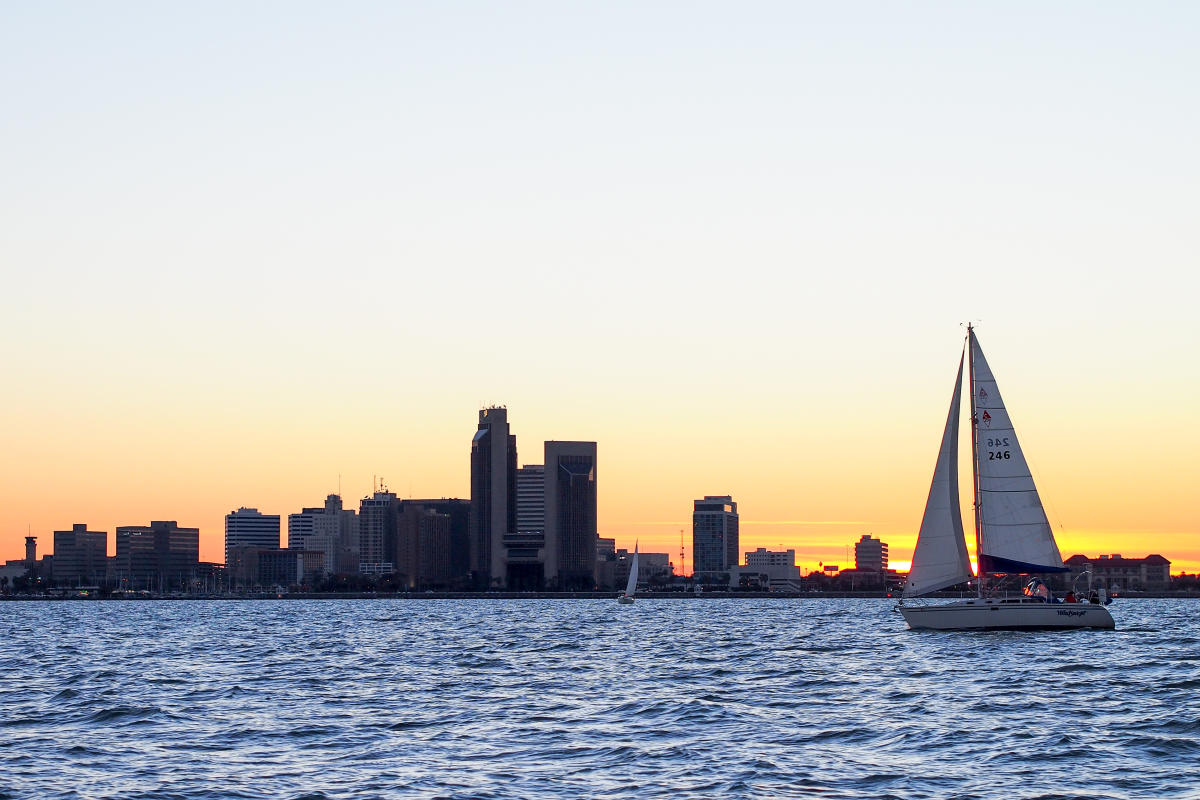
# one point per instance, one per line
(246, 527)
(423, 547)
(459, 512)
(493, 494)
(377, 532)
(714, 534)
(570, 508)
(80, 555)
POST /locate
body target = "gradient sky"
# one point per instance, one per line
(248, 248)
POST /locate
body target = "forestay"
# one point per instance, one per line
(940, 559)
(1014, 533)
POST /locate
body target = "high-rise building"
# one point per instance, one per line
(570, 523)
(493, 495)
(423, 548)
(80, 556)
(159, 556)
(714, 534)
(377, 533)
(246, 527)
(531, 498)
(31, 552)
(459, 512)
(870, 555)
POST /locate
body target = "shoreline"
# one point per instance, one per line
(533, 596)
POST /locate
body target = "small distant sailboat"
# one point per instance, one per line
(631, 584)
(1012, 534)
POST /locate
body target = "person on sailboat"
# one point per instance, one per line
(1035, 588)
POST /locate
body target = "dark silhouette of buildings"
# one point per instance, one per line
(493, 495)
(570, 514)
(159, 556)
(80, 556)
(459, 553)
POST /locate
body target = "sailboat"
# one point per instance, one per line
(631, 584)
(1012, 534)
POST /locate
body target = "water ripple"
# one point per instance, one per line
(464, 699)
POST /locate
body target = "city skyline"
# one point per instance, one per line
(810, 554)
(734, 249)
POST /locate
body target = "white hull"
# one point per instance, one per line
(1006, 615)
(624, 599)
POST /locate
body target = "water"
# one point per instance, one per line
(710, 698)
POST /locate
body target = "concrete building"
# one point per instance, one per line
(31, 553)
(280, 567)
(762, 557)
(377, 533)
(714, 535)
(1116, 573)
(160, 556)
(459, 555)
(423, 548)
(531, 498)
(570, 502)
(493, 495)
(328, 529)
(80, 556)
(771, 570)
(870, 555)
(246, 527)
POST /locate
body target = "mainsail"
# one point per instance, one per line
(940, 559)
(1014, 534)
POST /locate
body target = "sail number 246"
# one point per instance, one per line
(998, 455)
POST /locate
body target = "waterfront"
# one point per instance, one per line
(549, 699)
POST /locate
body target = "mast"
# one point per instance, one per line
(975, 461)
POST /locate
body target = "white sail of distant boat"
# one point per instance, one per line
(1012, 534)
(631, 584)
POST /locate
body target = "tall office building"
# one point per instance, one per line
(377, 533)
(423, 548)
(493, 495)
(328, 529)
(30, 552)
(570, 522)
(531, 498)
(459, 512)
(80, 556)
(159, 556)
(714, 534)
(870, 555)
(246, 527)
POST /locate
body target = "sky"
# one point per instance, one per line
(255, 252)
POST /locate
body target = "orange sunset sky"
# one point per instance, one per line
(248, 255)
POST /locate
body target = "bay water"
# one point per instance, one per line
(558, 699)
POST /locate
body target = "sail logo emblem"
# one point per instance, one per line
(987, 419)
(982, 394)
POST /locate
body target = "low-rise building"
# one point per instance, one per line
(1149, 574)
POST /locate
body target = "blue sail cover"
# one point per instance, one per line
(995, 564)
